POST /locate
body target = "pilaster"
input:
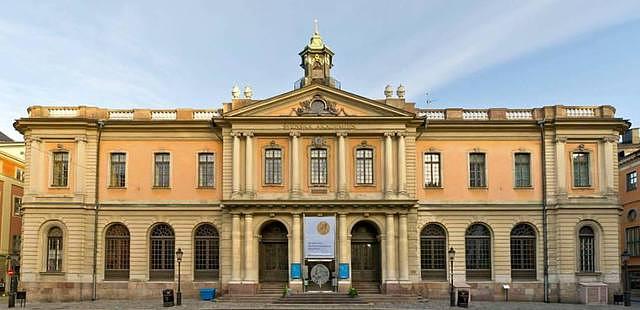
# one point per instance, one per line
(248, 165)
(235, 187)
(236, 248)
(295, 164)
(402, 164)
(342, 170)
(388, 164)
(561, 172)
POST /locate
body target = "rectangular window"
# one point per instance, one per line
(206, 168)
(364, 166)
(17, 205)
(118, 171)
(273, 166)
(632, 238)
(161, 176)
(581, 169)
(523, 169)
(60, 169)
(632, 181)
(16, 243)
(432, 170)
(19, 174)
(318, 167)
(477, 171)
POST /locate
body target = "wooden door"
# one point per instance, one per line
(274, 253)
(365, 253)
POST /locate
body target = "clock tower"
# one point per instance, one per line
(317, 60)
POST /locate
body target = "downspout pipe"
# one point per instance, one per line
(545, 248)
(95, 214)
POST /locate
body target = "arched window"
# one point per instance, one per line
(523, 252)
(586, 238)
(207, 258)
(54, 250)
(478, 252)
(162, 249)
(364, 166)
(433, 252)
(116, 253)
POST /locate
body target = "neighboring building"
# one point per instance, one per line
(11, 188)
(320, 186)
(630, 200)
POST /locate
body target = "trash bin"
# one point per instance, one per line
(207, 293)
(167, 298)
(463, 298)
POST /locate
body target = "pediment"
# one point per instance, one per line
(318, 101)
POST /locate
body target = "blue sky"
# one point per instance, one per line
(164, 54)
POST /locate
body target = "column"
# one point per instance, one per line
(36, 175)
(390, 248)
(561, 169)
(248, 164)
(236, 248)
(342, 169)
(235, 156)
(403, 251)
(295, 164)
(388, 164)
(295, 242)
(81, 146)
(344, 249)
(609, 168)
(402, 164)
(249, 265)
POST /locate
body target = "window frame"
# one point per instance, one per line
(169, 170)
(484, 171)
(210, 241)
(424, 170)
(58, 255)
(199, 166)
(16, 198)
(633, 246)
(579, 247)
(589, 169)
(266, 181)
(19, 174)
(525, 242)
(529, 171)
(632, 181)
(119, 242)
(66, 172)
(437, 274)
(326, 166)
(126, 166)
(364, 161)
(478, 274)
(166, 254)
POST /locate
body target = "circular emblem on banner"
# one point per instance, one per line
(320, 274)
(323, 228)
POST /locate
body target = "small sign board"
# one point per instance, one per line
(344, 271)
(295, 271)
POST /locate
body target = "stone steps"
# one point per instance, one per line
(366, 287)
(260, 298)
(319, 298)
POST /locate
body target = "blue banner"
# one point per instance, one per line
(344, 271)
(295, 270)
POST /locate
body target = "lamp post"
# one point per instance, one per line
(625, 256)
(452, 296)
(12, 296)
(179, 259)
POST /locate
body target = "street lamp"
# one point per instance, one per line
(625, 256)
(12, 296)
(452, 296)
(179, 259)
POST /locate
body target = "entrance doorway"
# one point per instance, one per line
(274, 253)
(365, 257)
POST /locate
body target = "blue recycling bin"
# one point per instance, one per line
(207, 293)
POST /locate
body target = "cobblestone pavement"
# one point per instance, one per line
(190, 304)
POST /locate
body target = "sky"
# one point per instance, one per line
(169, 54)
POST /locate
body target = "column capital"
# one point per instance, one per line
(401, 133)
(610, 139)
(341, 133)
(81, 139)
(248, 215)
(560, 140)
(236, 133)
(402, 215)
(389, 133)
(294, 133)
(248, 133)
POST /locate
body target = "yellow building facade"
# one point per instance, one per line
(320, 189)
